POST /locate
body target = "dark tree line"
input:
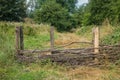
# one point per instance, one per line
(63, 14)
(104, 9)
(57, 13)
(12, 10)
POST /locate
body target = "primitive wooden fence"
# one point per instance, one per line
(20, 42)
(78, 56)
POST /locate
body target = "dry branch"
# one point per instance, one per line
(74, 43)
(34, 51)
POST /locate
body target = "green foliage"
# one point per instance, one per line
(11, 70)
(68, 4)
(54, 15)
(12, 10)
(6, 51)
(112, 38)
(82, 15)
(37, 41)
(60, 15)
(29, 31)
(100, 10)
(39, 75)
(85, 20)
(65, 15)
(86, 30)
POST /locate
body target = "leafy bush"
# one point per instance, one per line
(54, 15)
(112, 38)
(29, 31)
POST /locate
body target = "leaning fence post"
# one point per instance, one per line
(21, 38)
(52, 38)
(17, 36)
(96, 40)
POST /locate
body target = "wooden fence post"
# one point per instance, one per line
(21, 38)
(96, 40)
(17, 36)
(52, 38)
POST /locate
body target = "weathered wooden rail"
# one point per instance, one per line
(20, 42)
(78, 56)
(75, 57)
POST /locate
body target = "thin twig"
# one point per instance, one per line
(74, 43)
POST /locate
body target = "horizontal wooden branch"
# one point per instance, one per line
(56, 50)
(77, 50)
(74, 43)
(34, 51)
(110, 45)
(74, 51)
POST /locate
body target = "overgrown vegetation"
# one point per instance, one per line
(64, 15)
(51, 15)
(113, 38)
(95, 12)
(102, 10)
(12, 69)
(12, 10)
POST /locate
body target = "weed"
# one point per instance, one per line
(37, 36)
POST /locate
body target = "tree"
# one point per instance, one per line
(68, 4)
(104, 9)
(54, 15)
(12, 10)
(115, 7)
(99, 10)
(82, 15)
(31, 5)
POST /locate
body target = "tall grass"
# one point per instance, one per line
(112, 38)
(38, 36)
(10, 69)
